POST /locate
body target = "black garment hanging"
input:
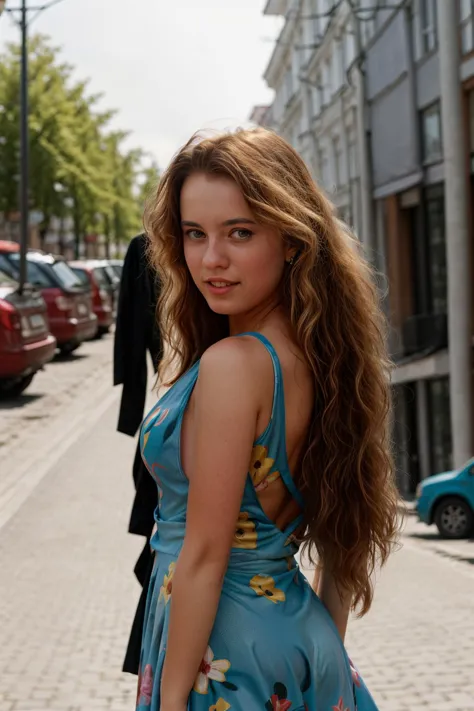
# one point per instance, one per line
(136, 335)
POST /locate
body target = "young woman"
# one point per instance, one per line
(272, 436)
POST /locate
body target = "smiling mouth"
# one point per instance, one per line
(221, 284)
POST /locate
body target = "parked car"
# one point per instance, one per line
(96, 279)
(69, 303)
(26, 344)
(117, 266)
(448, 501)
(111, 280)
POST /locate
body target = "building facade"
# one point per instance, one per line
(358, 95)
(404, 100)
(312, 73)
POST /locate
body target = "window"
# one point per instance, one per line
(65, 274)
(34, 273)
(325, 169)
(429, 38)
(349, 47)
(352, 147)
(325, 9)
(367, 14)
(326, 82)
(316, 97)
(338, 64)
(316, 20)
(440, 425)
(466, 13)
(471, 121)
(436, 236)
(81, 275)
(339, 171)
(288, 84)
(431, 133)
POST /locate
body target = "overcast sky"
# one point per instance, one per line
(171, 67)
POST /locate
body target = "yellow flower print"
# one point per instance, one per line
(210, 668)
(260, 468)
(245, 535)
(265, 585)
(166, 588)
(220, 706)
(260, 464)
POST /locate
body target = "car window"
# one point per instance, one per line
(111, 275)
(81, 275)
(7, 267)
(65, 274)
(34, 273)
(100, 276)
(6, 279)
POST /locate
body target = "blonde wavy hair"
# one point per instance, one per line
(346, 473)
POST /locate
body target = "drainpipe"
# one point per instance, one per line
(365, 169)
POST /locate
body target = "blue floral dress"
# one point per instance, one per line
(274, 646)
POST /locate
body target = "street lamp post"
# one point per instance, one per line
(24, 141)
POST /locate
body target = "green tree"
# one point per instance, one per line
(78, 165)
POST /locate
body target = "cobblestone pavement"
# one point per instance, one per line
(67, 592)
(48, 417)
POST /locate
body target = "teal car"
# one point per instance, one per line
(447, 500)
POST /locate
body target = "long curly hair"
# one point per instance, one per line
(346, 472)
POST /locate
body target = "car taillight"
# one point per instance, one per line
(63, 303)
(9, 316)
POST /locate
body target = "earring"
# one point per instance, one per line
(291, 261)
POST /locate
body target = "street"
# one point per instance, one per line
(67, 590)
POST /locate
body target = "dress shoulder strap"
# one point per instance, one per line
(275, 434)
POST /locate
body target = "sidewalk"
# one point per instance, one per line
(67, 589)
(68, 595)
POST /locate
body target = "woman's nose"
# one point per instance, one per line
(215, 255)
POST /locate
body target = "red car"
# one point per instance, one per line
(25, 342)
(69, 304)
(94, 277)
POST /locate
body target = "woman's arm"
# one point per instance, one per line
(224, 421)
(338, 606)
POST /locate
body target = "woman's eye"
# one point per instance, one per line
(195, 234)
(242, 234)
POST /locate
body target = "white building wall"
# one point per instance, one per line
(315, 103)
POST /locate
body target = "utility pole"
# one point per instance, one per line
(22, 22)
(460, 309)
(24, 146)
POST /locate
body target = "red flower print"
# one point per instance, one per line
(279, 704)
(145, 688)
(355, 675)
(340, 706)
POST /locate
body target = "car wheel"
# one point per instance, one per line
(68, 348)
(17, 388)
(454, 518)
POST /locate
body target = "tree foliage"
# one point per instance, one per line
(78, 164)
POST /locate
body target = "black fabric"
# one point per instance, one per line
(136, 334)
(131, 662)
(146, 499)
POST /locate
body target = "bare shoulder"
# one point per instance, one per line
(233, 363)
